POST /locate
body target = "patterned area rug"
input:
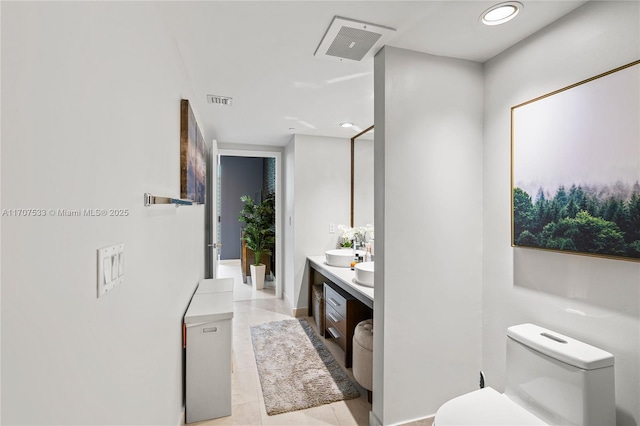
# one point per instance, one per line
(296, 370)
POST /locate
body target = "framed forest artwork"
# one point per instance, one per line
(193, 167)
(575, 167)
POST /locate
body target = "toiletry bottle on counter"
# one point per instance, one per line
(356, 259)
(367, 255)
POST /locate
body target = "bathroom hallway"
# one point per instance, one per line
(252, 307)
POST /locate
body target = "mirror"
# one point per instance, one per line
(362, 178)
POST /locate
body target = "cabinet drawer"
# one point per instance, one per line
(334, 319)
(333, 332)
(335, 300)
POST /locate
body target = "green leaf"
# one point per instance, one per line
(259, 230)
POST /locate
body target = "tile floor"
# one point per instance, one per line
(253, 307)
(243, 291)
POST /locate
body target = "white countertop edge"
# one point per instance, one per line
(345, 275)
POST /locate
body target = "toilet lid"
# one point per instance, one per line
(484, 407)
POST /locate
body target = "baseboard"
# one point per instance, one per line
(426, 421)
(300, 312)
(373, 420)
(181, 417)
(296, 312)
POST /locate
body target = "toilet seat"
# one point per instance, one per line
(484, 407)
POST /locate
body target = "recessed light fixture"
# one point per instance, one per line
(346, 124)
(501, 13)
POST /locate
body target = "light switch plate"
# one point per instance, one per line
(110, 268)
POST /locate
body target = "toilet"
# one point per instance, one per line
(551, 379)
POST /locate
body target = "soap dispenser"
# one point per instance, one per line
(356, 259)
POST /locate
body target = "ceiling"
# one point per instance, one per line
(261, 53)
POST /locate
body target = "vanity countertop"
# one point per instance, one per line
(344, 277)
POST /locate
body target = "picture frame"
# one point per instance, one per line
(193, 166)
(575, 168)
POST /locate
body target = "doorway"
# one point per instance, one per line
(238, 176)
(257, 174)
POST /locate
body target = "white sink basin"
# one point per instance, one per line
(364, 273)
(341, 258)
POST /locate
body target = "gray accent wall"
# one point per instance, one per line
(239, 176)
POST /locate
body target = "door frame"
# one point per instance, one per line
(279, 202)
(211, 212)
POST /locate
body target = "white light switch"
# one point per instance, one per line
(114, 266)
(106, 269)
(120, 263)
(332, 228)
(110, 267)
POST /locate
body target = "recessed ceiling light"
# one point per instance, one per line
(501, 13)
(346, 124)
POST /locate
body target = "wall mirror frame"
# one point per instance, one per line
(353, 169)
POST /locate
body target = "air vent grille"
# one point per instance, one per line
(219, 100)
(354, 40)
(352, 43)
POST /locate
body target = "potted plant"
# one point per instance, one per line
(258, 233)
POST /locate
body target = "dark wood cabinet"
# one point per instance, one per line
(342, 313)
(342, 309)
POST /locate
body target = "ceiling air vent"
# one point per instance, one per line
(353, 40)
(219, 100)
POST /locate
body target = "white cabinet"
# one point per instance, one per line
(208, 346)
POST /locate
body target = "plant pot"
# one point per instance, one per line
(257, 276)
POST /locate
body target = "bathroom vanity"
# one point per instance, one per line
(342, 277)
(346, 303)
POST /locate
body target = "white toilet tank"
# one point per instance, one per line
(559, 379)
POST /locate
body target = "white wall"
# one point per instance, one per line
(90, 113)
(428, 221)
(288, 287)
(595, 300)
(321, 187)
(363, 212)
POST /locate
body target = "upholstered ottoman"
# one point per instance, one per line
(363, 355)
